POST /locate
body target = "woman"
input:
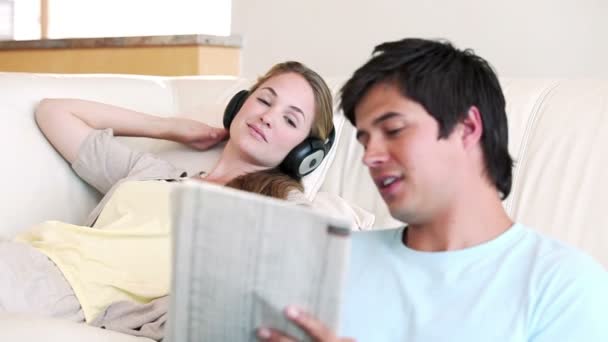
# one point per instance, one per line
(75, 272)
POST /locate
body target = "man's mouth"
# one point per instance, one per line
(388, 184)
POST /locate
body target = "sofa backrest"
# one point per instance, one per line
(561, 165)
(558, 130)
(39, 185)
(36, 182)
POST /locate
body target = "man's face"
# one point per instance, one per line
(414, 171)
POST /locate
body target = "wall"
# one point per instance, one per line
(521, 38)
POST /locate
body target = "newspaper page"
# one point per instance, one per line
(241, 258)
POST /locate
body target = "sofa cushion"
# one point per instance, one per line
(25, 328)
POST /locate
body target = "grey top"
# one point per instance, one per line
(105, 163)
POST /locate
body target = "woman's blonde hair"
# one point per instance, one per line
(273, 182)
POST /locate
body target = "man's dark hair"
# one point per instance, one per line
(446, 82)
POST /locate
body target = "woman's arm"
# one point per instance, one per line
(67, 122)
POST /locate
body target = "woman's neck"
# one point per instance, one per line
(230, 166)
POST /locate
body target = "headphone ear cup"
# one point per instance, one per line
(307, 156)
(233, 107)
(304, 158)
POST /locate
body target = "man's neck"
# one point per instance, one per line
(470, 222)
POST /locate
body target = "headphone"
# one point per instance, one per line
(300, 161)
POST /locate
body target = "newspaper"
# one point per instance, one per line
(239, 259)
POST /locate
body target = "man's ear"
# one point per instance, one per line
(472, 127)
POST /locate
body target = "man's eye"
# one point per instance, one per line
(264, 102)
(290, 121)
(363, 143)
(393, 132)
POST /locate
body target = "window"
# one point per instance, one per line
(118, 18)
(26, 19)
(6, 19)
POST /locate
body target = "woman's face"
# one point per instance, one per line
(274, 119)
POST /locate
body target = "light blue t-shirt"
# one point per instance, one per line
(519, 287)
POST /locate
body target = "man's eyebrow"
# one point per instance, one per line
(377, 121)
(384, 117)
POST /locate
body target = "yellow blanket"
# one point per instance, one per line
(126, 256)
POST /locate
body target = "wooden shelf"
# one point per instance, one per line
(154, 55)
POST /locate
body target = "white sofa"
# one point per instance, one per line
(558, 132)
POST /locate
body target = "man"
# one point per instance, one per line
(432, 121)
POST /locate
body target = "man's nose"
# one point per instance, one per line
(375, 154)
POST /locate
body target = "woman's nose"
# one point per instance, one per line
(266, 119)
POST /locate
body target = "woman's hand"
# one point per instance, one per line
(313, 327)
(196, 134)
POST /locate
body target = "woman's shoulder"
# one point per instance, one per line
(103, 161)
(297, 197)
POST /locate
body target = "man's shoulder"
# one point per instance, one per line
(558, 261)
(567, 289)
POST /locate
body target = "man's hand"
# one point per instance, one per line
(313, 327)
(196, 134)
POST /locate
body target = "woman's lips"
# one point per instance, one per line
(257, 133)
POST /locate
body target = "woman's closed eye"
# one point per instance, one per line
(263, 101)
(290, 121)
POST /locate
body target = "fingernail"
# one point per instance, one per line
(292, 312)
(263, 333)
